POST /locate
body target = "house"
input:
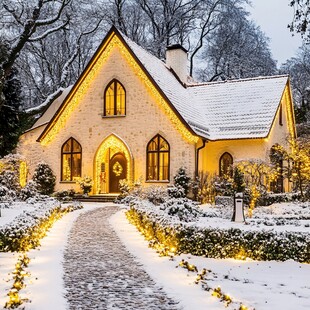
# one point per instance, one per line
(132, 116)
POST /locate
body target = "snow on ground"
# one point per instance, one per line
(263, 285)
(45, 284)
(8, 214)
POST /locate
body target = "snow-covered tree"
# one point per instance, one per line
(301, 20)
(44, 178)
(299, 69)
(236, 49)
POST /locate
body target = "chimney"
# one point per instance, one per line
(176, 59)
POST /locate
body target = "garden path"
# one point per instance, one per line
(101, 274)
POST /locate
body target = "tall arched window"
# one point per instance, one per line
(71, 160)
(158, 159)
(114, 99)
(226, 163)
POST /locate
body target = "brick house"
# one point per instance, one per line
(132, 116)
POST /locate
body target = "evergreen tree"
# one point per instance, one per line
(10, 128)
(238, 185)
(44, 178)
(182, 180)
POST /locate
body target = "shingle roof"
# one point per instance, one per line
(238, 109)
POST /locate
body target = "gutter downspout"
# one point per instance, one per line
(197, 155)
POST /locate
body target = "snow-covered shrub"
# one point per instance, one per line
(155, 194)
(44, 178)
(29, 191)
(182, 180)
(29, 227)
(86, 184)
(183, 209)
(166, 231)
(65, 195)
(176, 191)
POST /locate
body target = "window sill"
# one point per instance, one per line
(157, 181)
(70, 182)
(113, 116)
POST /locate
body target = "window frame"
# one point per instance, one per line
(158, 152)
(71, 139)
(115, 82)
(221, 174)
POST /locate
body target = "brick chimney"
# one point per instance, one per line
(176, 59)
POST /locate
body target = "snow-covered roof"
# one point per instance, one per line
(52, 109)
(237, 109)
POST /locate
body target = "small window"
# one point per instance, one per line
(71, 160)
(226, 165)
(158, 159)
(114, 99)
(281, 116)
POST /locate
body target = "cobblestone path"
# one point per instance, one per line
(101, 274)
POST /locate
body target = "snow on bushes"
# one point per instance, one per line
(168, 231)
(29, 227)
(44, 178)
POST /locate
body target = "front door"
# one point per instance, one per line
(118, 171)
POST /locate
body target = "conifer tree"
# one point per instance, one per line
(44, 178)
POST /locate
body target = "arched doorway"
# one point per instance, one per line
(113, 162)
(118, 171)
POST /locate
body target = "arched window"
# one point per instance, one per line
(158, 159)
(226, 162)
(114, 99)
(71, 160)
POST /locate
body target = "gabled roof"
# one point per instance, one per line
(234, 109)
(237, 109)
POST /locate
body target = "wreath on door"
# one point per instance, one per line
(117, 169)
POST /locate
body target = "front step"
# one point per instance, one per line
(97, 198)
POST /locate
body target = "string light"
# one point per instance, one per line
(81, 89)
(115, 145)
(22, 173)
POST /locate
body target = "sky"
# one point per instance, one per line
(273, 16)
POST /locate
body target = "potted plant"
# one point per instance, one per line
(86, 184)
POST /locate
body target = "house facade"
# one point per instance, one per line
(132, 116)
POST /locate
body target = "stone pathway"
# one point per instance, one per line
(101, 274)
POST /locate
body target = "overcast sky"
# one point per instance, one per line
(273, 16)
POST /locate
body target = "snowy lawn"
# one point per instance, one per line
(263, 285)
(259, 285)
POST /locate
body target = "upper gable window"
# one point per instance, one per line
(226, 165)
(158, 159)
(71, 160)
(114, 99)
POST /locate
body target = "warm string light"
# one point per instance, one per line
(115, 145)
(19, 276)
(83, 88)
(22, 173)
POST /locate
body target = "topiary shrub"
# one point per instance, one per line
(44, 178)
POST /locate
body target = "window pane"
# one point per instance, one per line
(76, 146)
(226, 165)
(66, 167)
(163, 166)
(109, 100)
(152, 166)
(76, 166)
(152, 146)
(120, 100)
(67, 147)
(163, 145)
